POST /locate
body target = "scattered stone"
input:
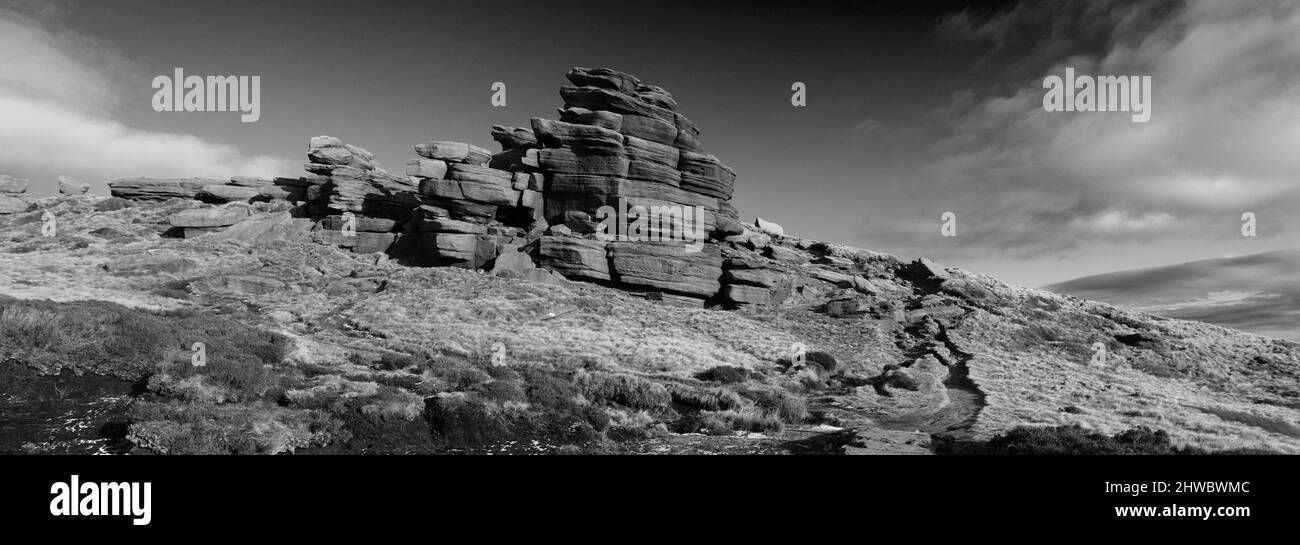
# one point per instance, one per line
(583, 116)
(768, 227)
(208, 217)
(557, 134)
(157, 189)
(228, 193)
(514, 137)
(13, 186)
(667, 266)
(426, 168)
(929, 269)
(13, 205)
(72, 186)
(454, 152)
(574, 257)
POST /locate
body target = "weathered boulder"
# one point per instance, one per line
(768, 227)
(12, 186)
(556, 134)
(262, 229)
(583, 116)
(688, 141)
(605, 190)
(654, 172)
(448, 225)
(366, 224)
(373, 193)
(327, 152)
(740, 294)
(361, 243)
(454, 152)
(649, 128)
(490, 193)
(604, 77)
(512, 262)
(157, 189)
(426, 168)
(640, 149)
(251, 181)
(72, 186)
(930, 269)
(656, 95)
(667, 266)
(514, 137)
(785, 255)
(480, 174)
(569, 161)
(598, 98)
(764, 278)
(704, 174)
(228, 193)
(575, 257)
(13, 205)
(208, 217)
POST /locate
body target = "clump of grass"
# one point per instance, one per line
(725, 374)
(110, 339)
(452, 375)
(502, 391)
(749, 419)
(531, 402)
(707, 399)
(254, 428)
(788, 407)
(626, 390)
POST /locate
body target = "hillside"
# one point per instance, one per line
(481, 303)
(398, 359)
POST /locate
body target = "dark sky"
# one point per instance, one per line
(911, 107)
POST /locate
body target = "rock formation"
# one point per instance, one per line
(618, 190)
(72, 186)
(12, 193)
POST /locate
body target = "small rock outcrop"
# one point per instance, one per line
(12, 195)
(72, 187)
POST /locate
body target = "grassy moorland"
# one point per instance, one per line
(313, 349)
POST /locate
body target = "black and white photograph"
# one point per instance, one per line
(330, 231)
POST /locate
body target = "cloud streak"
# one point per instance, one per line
(57, 101)
(1222, 139)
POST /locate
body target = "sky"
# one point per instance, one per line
(913, 108)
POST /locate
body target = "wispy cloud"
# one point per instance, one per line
(1222, 139)
(57, 100)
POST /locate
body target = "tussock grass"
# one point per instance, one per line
(255, 428)
(110, 339)
(706, 399)
(627, 390)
